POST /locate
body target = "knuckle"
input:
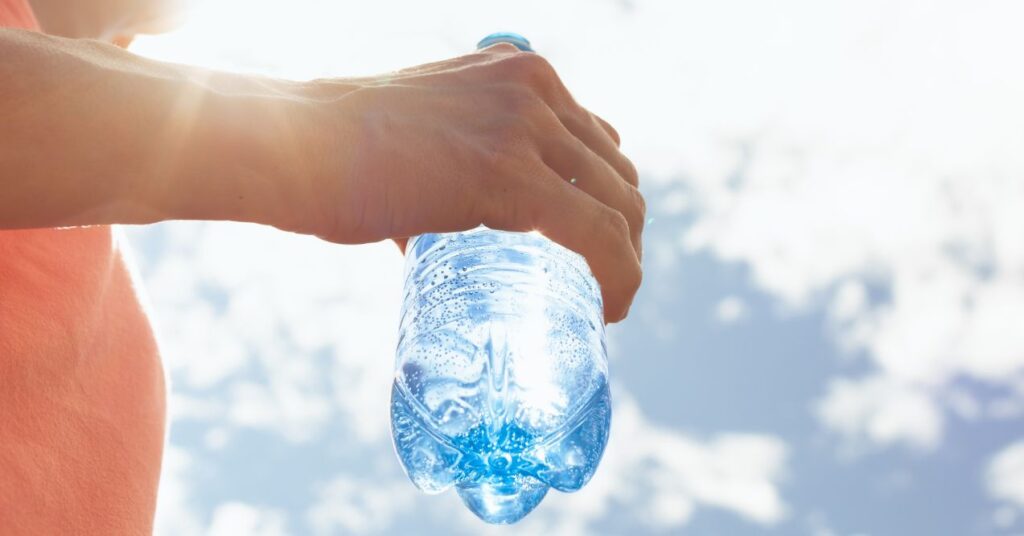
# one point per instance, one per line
(618, 226)
(635, 279)
(531, 62)
(616, 223)
(514, 66)
(625, 310)
(543, 67)
(501, 48)
(575, 117)
(639, 204)
(530, 68)
(633, 213)
(614, 134)
(632, 174)
(630, 281)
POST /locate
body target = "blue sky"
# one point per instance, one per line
(830, 335)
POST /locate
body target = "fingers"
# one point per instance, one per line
(575, 144)
(506, 63)
(586, 126)
(550, 165)
(612, 133)
(578, 221)
(596, 133)
(575, 162)
(537, 73)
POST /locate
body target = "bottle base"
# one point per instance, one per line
(503, 501)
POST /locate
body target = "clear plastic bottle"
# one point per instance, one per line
(501, 380)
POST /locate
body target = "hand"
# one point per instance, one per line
(489, 138)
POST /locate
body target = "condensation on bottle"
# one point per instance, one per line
(501, 376)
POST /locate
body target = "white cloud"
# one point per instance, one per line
(676, 202)
(650, 476)
(1005, 408)
(216, 438)
(658, 478)
(730, 309)
(175, 511)
(831, 147)
(236, 518)
(233, 300)
(348, 505)
(270, 331)
(884, 166)
(882, 411)
(849, 302)
(828, 146)
(963, 404)
(314, 325)
(817, 525)
(186, 407)
(278, 406)
(1004, 476)
(1003, 518)
(178, 512)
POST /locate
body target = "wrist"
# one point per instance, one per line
(239, 155)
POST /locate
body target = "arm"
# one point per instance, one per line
(90, 134)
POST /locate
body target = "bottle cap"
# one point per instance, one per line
(519, 41)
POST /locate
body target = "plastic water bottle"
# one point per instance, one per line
(501, 380)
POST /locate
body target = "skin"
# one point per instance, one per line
(92, 134)
(107, 20)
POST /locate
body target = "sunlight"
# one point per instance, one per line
(301, 39)
(830, 182)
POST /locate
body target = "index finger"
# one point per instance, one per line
(574, 219)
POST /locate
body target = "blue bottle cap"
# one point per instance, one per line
(519, 41)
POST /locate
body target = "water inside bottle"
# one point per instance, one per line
(501, 471)
(501, 387)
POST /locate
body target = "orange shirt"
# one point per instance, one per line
(82, 398)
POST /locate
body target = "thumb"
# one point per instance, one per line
(401, 243)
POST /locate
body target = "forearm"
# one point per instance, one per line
(90, 134)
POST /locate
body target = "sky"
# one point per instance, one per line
(830, 335)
